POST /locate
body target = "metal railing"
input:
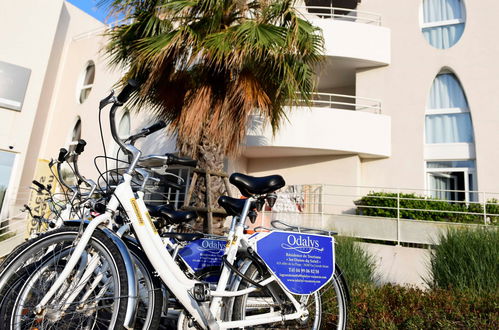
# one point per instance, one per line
(337, 13)
(481, 207)
(344, 102)
(101, 29)
(391, 217)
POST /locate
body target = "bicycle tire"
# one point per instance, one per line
(150, 293)
(29, 271)
(327, 308)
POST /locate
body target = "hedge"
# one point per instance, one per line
(396, 307)
(381, 204)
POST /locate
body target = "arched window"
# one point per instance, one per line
(75, 135)
(442, 22)
(124, 126)
(449, 148)
(447, 114)
(66, 170)
(86, 82)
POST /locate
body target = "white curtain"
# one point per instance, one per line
(441, 10)
(439, 186)
(449, 128)
(446, 92)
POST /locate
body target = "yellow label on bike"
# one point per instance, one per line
(148, 216)
(137, 211)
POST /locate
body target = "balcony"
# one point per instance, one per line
(333, 125)
(351, 34)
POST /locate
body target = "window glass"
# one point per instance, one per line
(446, 92)
(452, 180)
(75, 135)
(448, 118)
(443, 22)
(452, 163)
(449, 128)
(6, 163)
(86, 82)
(124, 126)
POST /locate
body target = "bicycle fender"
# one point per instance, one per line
(130, 269)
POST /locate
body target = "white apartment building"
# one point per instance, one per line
(406, 98)
(430, 64)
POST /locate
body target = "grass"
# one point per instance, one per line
(466, 259)
(357, 265)
(6, 236)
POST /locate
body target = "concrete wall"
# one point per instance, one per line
(356, 41)
(322, 131)
(309, 170)
(400, 265)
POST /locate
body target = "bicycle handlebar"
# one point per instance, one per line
(146, 131)
(62, 155)
(80, 147)
(184, 161)
(125, 93)
(155, 127)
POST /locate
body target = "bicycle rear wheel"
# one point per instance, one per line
(150, 294)
(94, 296)
(327, 308)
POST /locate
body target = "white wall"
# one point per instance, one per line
(400, 265)
(309, 170)
(356, 41)
(316, 131)
(28, 32)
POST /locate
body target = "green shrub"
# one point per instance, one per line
(357, 265)
(380, 204)
(493, 208)
(396, 307)
(466, 259)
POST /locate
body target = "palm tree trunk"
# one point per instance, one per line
(210, 157)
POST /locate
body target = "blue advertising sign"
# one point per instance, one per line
(303, 263)
(204, 254)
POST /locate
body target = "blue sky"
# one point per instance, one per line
(90, 7)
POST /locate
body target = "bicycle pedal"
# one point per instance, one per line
(201, 292)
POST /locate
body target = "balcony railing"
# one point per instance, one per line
(482, 207)
(343, 14)
(345, 102)
(402, 216)
(100, 30)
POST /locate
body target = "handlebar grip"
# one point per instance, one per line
(173, 185)
(155, 127)
(39, 185)
(130, 87)
(80, 146)
(62, 155)
(174, 160)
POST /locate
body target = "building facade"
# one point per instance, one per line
(406, 98)
(430, 65)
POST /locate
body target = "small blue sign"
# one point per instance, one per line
(303, 263)
(204, 255)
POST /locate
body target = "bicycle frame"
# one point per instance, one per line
(207, 314)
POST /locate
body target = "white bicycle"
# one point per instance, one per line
(83, 277)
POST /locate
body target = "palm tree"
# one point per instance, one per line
(206, 65)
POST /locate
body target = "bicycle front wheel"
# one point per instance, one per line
(327, 308)
(94, 296)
